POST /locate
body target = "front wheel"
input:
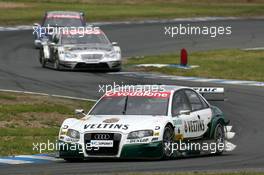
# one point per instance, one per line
(168, 137)
(219, 137)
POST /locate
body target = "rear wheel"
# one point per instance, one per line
(219, 137)
(168, 137)
(56, 64)
(42, 59)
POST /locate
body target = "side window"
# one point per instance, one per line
(205, 105)
(194, 100)
(55, 39)
(179, 103)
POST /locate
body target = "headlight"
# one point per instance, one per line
(111, 54)
(70, 55)
(140, 134)
(73, 134)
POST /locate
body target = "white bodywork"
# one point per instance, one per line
(191, 125)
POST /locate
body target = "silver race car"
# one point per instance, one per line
(81, 50)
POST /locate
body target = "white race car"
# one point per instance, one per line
(146, 124)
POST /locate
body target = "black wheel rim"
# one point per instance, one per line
(167, 140)
(219, 137)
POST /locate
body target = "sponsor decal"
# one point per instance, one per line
(208, 89)
(155, 139)
(156, 133)
(102, 143)
(106, 126)
(185, 127)
(195, 126)
(179, 130)
(64, 16)
(144, 140)
(178, 137)
(68, 139)
(111, 120)
(177, 122)
(138, 94)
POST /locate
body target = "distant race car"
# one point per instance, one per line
(56, 19)
(133, 124)
(77, 50)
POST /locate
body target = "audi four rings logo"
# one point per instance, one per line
(102, 136)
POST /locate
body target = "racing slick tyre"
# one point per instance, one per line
(56, 64)
(116, 70)
(41, 58)
(168, 137)
(219, 137)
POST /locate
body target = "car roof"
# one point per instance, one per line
(64, 13)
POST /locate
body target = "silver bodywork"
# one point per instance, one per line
(83, 56)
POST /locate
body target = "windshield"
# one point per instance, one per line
(84, 39)
(131, 105)
(63, 22)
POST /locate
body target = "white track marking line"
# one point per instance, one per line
(39, 157)
(14, 162)
(44, 94)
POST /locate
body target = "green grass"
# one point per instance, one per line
(22, 108)
(28, 11)
(28, 119)
(224, 64)
(201, 173)
(7, 97)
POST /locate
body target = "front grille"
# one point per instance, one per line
(92, 57)
(103, 151)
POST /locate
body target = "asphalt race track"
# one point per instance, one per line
(20, 70)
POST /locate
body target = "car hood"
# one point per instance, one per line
(85, 47)
(117, 123)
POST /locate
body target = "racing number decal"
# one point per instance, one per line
(194, 126)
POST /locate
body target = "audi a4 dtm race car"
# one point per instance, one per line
(132, 124)
(56, 19)
(73, 49)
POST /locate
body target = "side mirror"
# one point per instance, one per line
(114, 43)
(36, 24)
(79, 111)
(185, 112)
(52, 44)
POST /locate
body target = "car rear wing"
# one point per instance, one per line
(211, 93)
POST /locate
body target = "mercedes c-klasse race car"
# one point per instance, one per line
(81, 50)
(56, 19)
(146, 124)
